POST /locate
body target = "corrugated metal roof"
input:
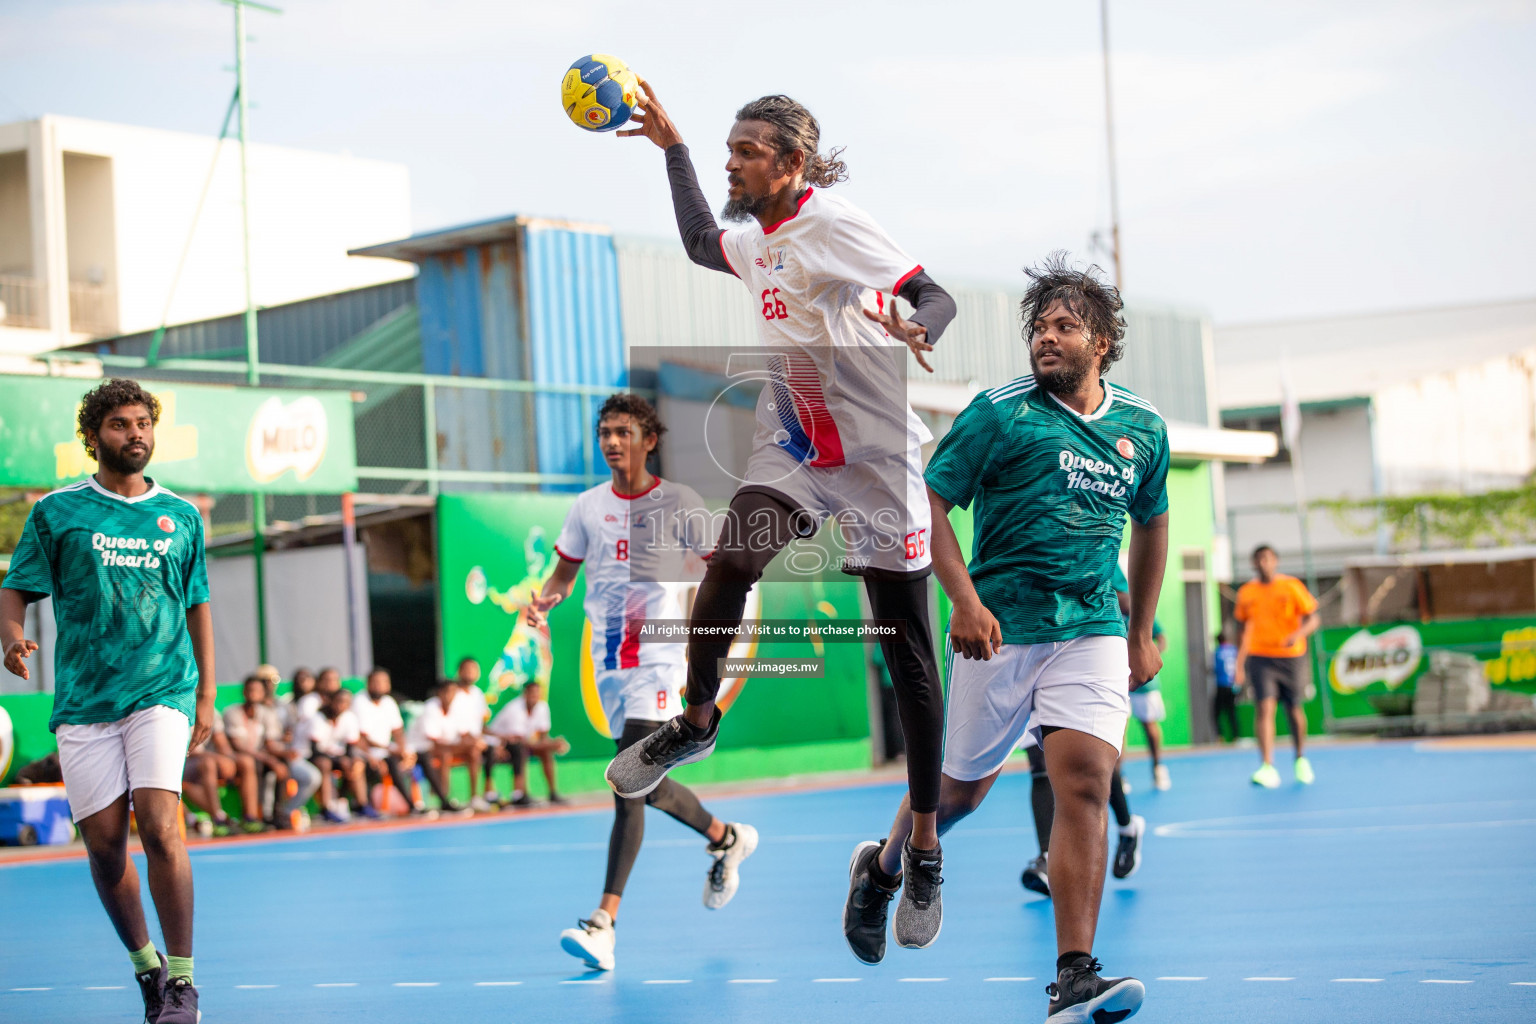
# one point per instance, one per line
(296, 333)
(668, 301)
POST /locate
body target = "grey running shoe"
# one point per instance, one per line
(920, 912)
(1035, 878)
(864, 913)
(1080, 996)
(180, 1003)
(152, 988)
(1128, 851)
(641, 767)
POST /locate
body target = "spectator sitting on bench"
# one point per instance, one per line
(520, 729)
(253, 728)
(383, 743)
(209, 768)
(439, 736)
(332, 735)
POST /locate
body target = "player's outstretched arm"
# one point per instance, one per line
(200, 627)
(973, 629)
(1147, 562)
(556, 589)
(13, 617)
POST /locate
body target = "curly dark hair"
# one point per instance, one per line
(794, 128)
(112, 394)
(1085, 293)
(644, 413)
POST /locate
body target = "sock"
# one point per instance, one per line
(694, 732)
(180, 967)
(1070, 957)
(1126, 830)
(146, 959)
(726, 841)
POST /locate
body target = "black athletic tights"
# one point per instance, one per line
(1042, 799)
(758, 529)
(629, 815)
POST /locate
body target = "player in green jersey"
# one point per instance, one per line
(1050, 465)
(122, 558)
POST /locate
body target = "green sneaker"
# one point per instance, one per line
(1266, 776)
(1304, 772)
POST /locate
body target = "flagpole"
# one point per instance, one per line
(1290, 427)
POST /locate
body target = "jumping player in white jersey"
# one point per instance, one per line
(835, 437)
(634, 536)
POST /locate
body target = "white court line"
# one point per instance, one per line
(922, 979)
(1523, 983)
(1444, 981)
(753, 981)
(1356, 980)
(669, 981)
(255, 986)
(45, 988)
(335, 984)
(861, 979)
(1269, 979)
(1008, 979)
(415, 984)
(582, 981)
(1184, 977)
(495, 984)
(104, 988)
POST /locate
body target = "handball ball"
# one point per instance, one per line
(599, 92)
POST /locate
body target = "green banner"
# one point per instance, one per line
(494, 549)
(224, 439)
(1372, 669)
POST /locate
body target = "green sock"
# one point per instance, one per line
(145, 959)
(180, 967)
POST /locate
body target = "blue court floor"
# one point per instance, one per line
(1399, 888)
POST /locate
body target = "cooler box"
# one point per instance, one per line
(34, 814)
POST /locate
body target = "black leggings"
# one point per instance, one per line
(1224, 706)
(759, 527)
(1042, 799)
(629, 815)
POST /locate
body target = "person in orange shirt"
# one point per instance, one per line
(1278, 614)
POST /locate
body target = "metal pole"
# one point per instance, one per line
(258, 557)
(1109, 129)
(354, 598)
(252, 358)
(429, 423)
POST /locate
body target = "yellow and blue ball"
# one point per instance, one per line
(599, 92)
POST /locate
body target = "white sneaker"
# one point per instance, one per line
(1161, 780)
(722, 879)
(591, 941)
(479, 804)
(492, 797)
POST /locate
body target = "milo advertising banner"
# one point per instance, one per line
(209, 438)
(494, 550)
(1366, 662)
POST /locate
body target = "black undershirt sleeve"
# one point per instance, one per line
(931, 305)
(695, 223)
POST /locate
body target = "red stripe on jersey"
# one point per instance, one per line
(812, 412)
(634, 618)
(655, 483)
(909, 275)
(565, 556)
(725, 255)
(780, 223)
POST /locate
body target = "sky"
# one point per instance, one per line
(1277, 158)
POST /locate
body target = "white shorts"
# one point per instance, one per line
(1078, 684)
(881, 504)
(650, 693)
(102, 761)
(1147, 706)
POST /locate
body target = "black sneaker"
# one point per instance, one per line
(920, 913)
(864, 913)
(152, 988)
(1080, 996)
(1035, 878)
(1128, 851)
(180, 1003)
(641, 767)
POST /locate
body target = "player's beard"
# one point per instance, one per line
(116, 460)
(1069, 376)
(743, 208)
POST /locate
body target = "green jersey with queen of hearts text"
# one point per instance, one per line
(122, 573)
(1049, 490)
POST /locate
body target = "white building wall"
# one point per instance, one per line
(1468, 430)
(307, 210)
